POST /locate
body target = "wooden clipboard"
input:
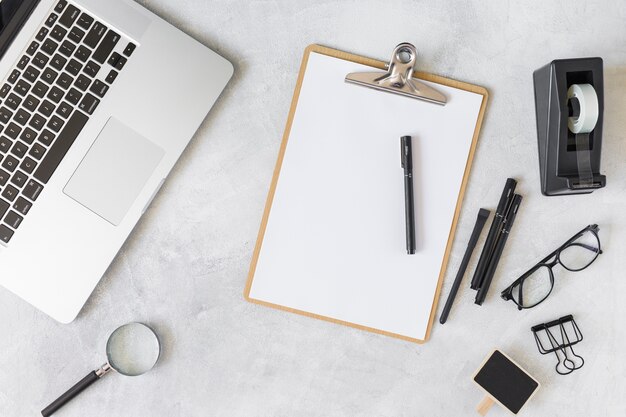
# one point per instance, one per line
(376, 64)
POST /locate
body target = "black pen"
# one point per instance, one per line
(494, 233)
(409, 209)
(483, 215)
(499, 248)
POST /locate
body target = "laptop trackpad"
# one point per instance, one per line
(114, 171)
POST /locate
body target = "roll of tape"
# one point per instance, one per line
(589, 108)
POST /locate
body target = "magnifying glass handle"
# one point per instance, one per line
(92, 377)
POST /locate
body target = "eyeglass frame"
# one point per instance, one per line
(507, 294)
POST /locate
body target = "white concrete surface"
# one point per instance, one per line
(184, 269)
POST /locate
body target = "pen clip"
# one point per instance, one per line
(404, 150)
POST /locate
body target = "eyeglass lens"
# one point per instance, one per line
(580, 253)
(576, 256)
(535, 288)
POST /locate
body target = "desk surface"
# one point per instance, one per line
(184, 268)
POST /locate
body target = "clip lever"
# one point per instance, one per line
(399, 78)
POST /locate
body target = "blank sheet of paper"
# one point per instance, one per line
(335, 243)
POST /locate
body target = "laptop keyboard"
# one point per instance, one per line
(47, 100)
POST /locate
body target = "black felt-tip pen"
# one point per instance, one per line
(409, 209)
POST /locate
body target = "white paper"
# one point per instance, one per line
(335, 239)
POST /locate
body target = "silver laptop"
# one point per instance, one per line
(98, 101)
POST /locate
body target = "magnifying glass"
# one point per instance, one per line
(132, 350)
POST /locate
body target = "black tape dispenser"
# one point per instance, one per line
(569, 102)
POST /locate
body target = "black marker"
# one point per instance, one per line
(494, 234)
(499, 248)
(409, 209)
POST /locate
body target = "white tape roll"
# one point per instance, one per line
(589, 108)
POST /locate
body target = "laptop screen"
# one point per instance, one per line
(13, 15)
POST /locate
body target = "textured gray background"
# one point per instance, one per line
(184, 269)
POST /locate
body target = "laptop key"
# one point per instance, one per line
(22, 117)
(99, 88)
(22, 206)
(49, 75)
(51, 19)
(82, 82)
(74, 67)
(5, 90)
(46, 137)
(43, 32)
(31, 74)
(10, 193)
(4, 177)
(40, 89)
(22, 88)
(5, 145)
(89, 104)
(106, 47)
(4, 207)
(85, 21)
(37, 122)
(82, 53)
(15, 74)
(58, 33)
(65, 81)
(32, 190)
(55, 123)
(59, 148)
(5, 115)
(37, 151)
(24, 60)
(19, 179)
(73, 96)
(10, 163)
(60, 6)
(13, 101)
(76, 35)
(28, 136)
(67, 48)
(31, 102)
(58, 62)
(46, 108)
(49, 46)
(32, 48)
(95, 34)
(13, 130)
(91, 69)
(69, 16)
(111, 77)
(40, 60)
(5, 233)
(19, 149)
(130, 49)
(114, 59)
(13, 219)
(64, 110)
(56, 94)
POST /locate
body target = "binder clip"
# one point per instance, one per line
(569, 103)
(559, 336)
(399, 77)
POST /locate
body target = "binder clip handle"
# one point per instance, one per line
(399, 77)
(400, 66)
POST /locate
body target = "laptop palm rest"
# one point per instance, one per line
(114, 171)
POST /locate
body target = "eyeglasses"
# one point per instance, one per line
(537, 283)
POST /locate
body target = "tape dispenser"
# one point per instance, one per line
(569, 103)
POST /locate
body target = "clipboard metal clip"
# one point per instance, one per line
(399, 77)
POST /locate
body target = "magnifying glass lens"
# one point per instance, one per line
(133, 349)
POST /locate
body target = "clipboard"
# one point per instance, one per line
(280, 276)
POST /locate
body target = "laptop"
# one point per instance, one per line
(98, 100)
